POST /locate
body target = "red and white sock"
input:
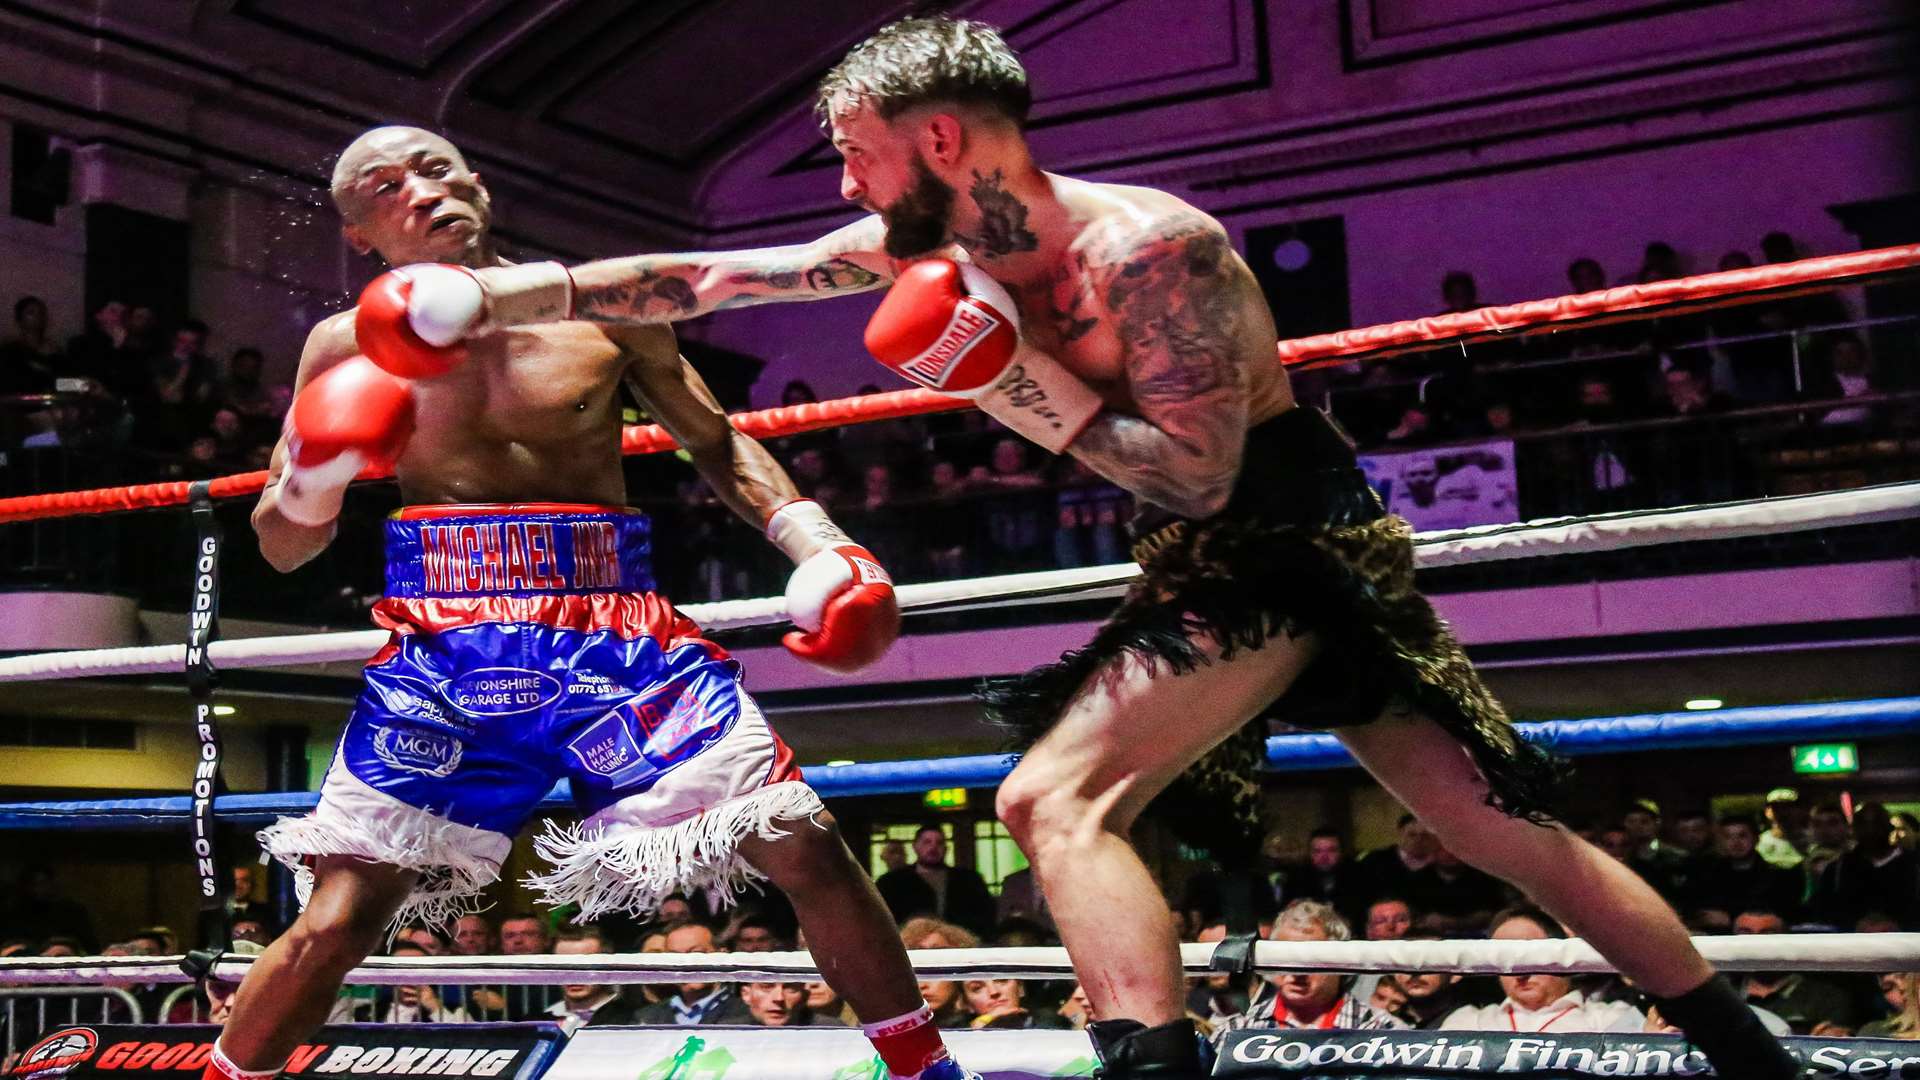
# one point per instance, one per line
(908, 1043)
(221, 1067)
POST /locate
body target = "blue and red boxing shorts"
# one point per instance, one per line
(528, 646)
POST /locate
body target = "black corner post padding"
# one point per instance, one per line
(1234, 954)
(203, 627)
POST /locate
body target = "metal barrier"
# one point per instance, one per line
(117, 1006)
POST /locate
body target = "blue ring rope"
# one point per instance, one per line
(1757, 725)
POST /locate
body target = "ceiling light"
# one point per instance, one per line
(1702, 704)
(841, 761)
(224, 710)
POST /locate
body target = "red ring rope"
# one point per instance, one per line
(1700, 292)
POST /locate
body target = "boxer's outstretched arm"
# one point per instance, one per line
(285, 544)
(742, 473)
(668, 288)
(1190, 318)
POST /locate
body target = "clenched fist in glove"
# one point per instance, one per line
(414, 321)
(951, 328)
(350, 416)
(839, 595)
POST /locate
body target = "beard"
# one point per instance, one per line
(917, 221)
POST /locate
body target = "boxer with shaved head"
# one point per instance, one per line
(529, 646)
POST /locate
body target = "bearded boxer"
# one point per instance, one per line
(1117, 324)
(528, 646)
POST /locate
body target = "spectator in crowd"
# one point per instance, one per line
(694, 1004)
(1390, 918)
(1001, 1004)
(776, 1004)
(798, 392)
(473, 936)
(180, 388)
(219, 992)
(931, 887)
(1453, 898)
(1660, 262)
(1458, 292)
(1872, 874)
(428, 939)
(946, 999)
(1536, 1003)
(1828, 837)
(1690, 392)
(1430, 997)
(1846, 373)
(1021, 898)
(29, 359)
(1016, 521)
(1308, 1000)
(41, 912)
(1785, 841)
(1737, 879)
(1692, 834)
(244, 389)
(827, 1007)
(1809, 1004)
(1217, 995)
(1584, 275)
(754, 934)
(893, 855)
(1901, 990)
(417, 1004)
(1906, 832)
(1390, 870)
(253, 928)
(1077, 1011)
(66, 946)
(1327, 876)
(96, 353)
(1616, 841)
(1092, 513)
(523, 933)
(581, 1004)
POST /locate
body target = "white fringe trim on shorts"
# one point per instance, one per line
(455, 861)
(610, 866)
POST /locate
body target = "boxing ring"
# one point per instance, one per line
(624, 1054)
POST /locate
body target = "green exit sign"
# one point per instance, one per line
(946, 798)
(1838, 757)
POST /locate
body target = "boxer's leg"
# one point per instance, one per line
(854, 941)
(1600, 899)
(1128, 733)
(290, 989)
(849, 930)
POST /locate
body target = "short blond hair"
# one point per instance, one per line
(1312, 914)
(915, 932)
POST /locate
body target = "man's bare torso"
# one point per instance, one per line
(533, 415)
(1069, 310)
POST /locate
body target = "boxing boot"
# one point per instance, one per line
(1717, 1022)
(1128, 1049)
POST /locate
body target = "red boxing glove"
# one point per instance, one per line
(950, 327)
(351, 416)
(839, 596)
(413, 321)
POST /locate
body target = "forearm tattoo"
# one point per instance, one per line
(658, 289)
(1178, 299)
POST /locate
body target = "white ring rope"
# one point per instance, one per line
(1454, 547)
(1758, 952)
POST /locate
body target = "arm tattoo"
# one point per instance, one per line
(652, 296)
(1003, 218)
(1178, 299)
(667, 288)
